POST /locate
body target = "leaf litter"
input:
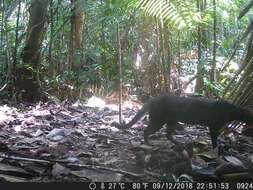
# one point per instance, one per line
(75, 142)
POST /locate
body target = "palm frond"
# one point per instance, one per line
(179, 13)
(246, 9)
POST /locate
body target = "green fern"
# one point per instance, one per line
(178, 13)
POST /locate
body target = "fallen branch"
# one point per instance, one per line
(129, 174)
(7, 156)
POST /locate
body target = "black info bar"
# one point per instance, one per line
(132, 185)
(171, 185)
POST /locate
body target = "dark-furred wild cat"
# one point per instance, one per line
(169, 109)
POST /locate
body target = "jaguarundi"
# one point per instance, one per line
(169, 109)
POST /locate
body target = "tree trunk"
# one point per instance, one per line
(168, 57)
(2, 23)
(179, 63)
(199, 81)
(165, 51)
(79, 24)
(58, 42)
(27, 83)
(3, 67)
(16, 38)
(213, 71)
(72, 36)
(158, 62)
(50, 49)
(77, 27)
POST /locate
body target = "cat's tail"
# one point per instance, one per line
(137, 117)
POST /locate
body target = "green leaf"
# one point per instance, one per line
(178, 13)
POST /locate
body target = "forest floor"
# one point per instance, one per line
(52, 142)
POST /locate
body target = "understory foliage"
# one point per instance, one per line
(165, 46)
(180, 14)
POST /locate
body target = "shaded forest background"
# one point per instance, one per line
(70, 49)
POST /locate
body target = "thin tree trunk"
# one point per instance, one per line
(179, 66)
(158, 56)
(179, 54)
(16, 38)
(58, 42)
(163, 57)
(120, 73)
(2, 33)
(213, 71)
(168, 61)
(13, 66)
(72, 36)
(2, 24)
(7, 52)
(50, 49)
(199, 81)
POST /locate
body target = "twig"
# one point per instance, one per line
(3, 87)
(7, 156)
(190, 80)
(129, 174)
(120, 74)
